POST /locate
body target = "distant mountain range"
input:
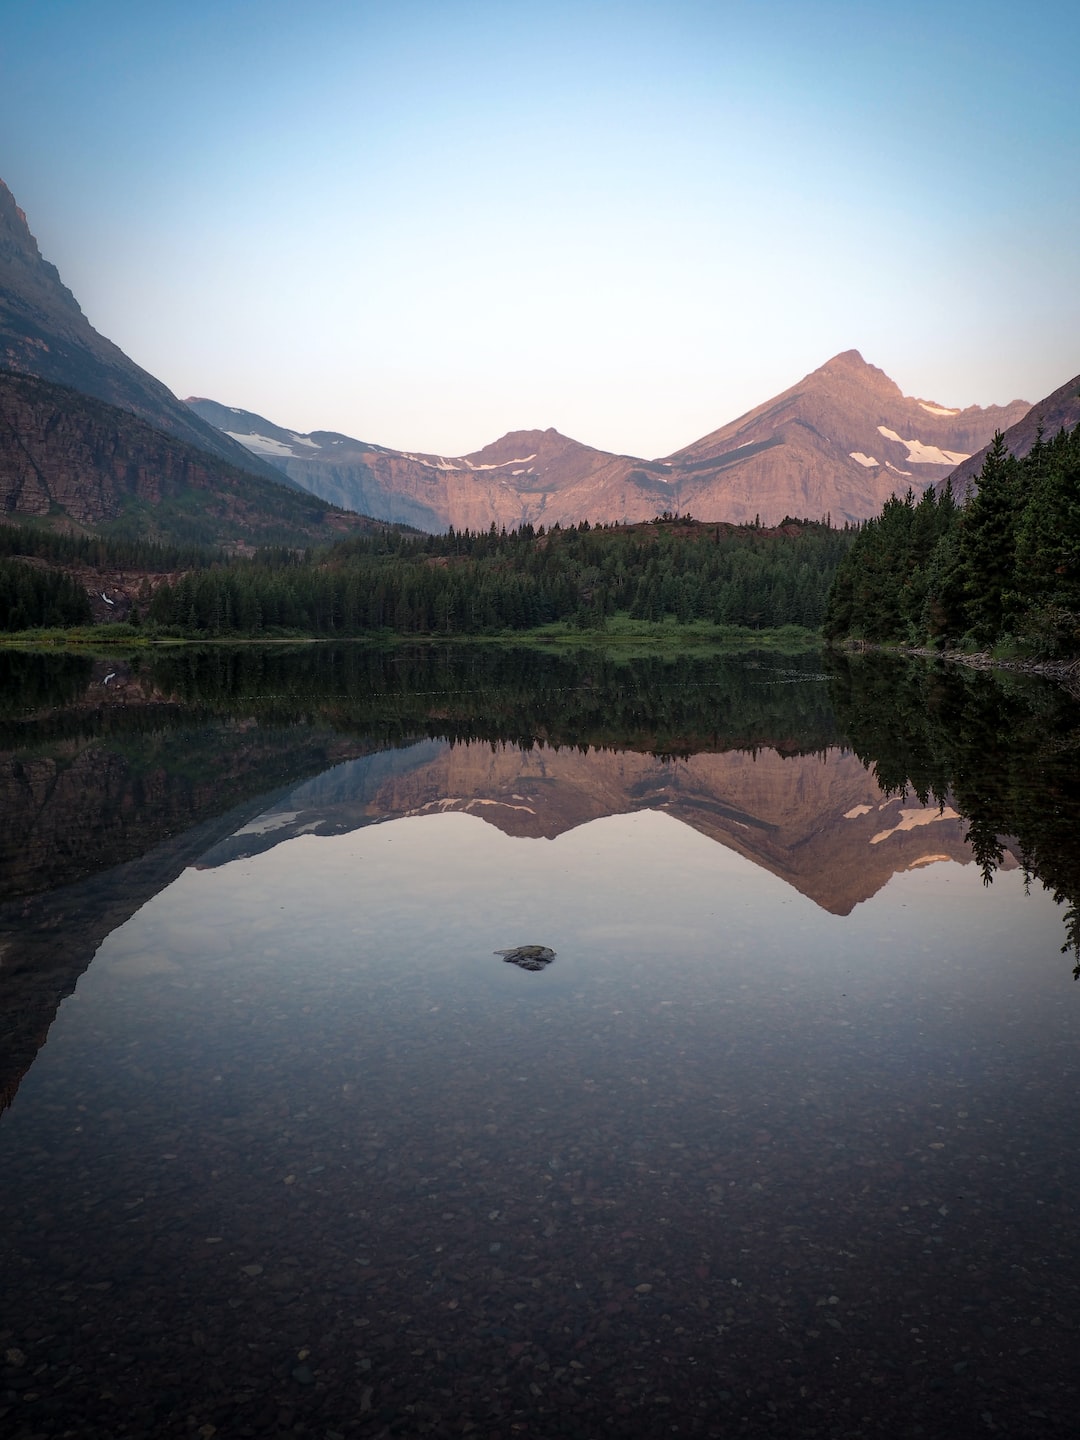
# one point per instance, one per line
(838, 443)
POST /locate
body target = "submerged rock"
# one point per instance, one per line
(528, 957)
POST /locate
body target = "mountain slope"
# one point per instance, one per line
(839, 442)
(535, 475)
(1058, 411)
(842, 441)
(43, 332)
(105, 468)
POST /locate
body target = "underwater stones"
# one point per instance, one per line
(528, 957)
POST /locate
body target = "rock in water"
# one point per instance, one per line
(528, 957)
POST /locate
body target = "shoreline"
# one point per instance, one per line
(1065, 673)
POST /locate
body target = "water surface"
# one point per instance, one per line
(782, 1142)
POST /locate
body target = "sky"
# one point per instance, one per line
(427, 224)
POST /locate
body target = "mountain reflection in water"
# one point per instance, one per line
(817, 821)
(782, 1143)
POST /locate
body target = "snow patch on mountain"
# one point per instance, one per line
(867, 460)
(920, 454)
(439, 463)
(260, 444)
(500, 464)
(910, 819)
(937, 409)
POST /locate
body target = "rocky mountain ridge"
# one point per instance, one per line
(43, 332)
(1060, 410)
(838, 443)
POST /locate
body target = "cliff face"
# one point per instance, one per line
(43, 332)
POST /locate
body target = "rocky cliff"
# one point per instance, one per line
(43, 332)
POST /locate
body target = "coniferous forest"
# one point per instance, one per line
(468, 583)
(1003, 567)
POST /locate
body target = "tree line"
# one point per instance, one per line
(32, 597)
(1002, 566)
(467, 583)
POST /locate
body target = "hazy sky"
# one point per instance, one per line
(426, 224)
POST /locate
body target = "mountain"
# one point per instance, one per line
(839, 443)
(842, 441)
(43, 332)
(536, 475)
(88, 437)
(1058, 411)
(65, 453)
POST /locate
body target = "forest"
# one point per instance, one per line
(34, 597)
(999, 568)
(475, 583)
(1002, 568)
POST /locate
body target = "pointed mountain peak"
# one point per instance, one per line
(847, 359)
(850, 366)
(13, 221)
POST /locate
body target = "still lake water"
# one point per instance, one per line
(783, 1142)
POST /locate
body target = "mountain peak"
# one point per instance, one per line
(44, 333)
(847, 359)
(850, 366)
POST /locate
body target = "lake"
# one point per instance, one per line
(782, 1141)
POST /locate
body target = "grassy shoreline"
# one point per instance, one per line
(619, 634)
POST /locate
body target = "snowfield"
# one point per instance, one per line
(920, 454)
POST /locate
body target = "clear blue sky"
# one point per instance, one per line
(429, 223)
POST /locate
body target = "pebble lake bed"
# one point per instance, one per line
(753, 1152)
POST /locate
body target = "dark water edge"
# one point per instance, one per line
(761, 1152)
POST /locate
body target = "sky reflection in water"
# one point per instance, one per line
(304, 1146)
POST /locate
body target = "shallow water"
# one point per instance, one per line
(302, 1155)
